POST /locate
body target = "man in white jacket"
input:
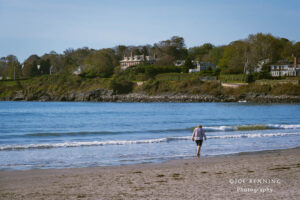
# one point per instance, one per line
(198, 135)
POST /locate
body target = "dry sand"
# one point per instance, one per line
(276, 175)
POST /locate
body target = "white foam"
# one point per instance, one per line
(284, 126)
(256, 135)
(235, 128)
(128, 142)
(77, 144)
(220, 128)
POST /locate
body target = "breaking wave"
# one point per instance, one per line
(128, 142)
(207, 129)
(252, 127)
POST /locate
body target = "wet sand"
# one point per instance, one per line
(260, 175)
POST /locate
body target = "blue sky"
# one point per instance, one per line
(39, 26)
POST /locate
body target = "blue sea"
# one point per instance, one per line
(42, 135)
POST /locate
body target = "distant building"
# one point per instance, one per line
(285, 69)
(179, 63)
(77, 71)
(202, 66)
(136, 60)
(51, 69)
(260, 64)
(258, 67)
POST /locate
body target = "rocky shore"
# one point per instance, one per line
(103, 95)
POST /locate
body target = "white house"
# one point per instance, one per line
(136, 60)
(202, 66)
(51, 69)
(179, 63)
(77, 71)
(258, 66)
(285, 69)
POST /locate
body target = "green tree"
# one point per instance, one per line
(10, 67)
(121, 85)
(30, 66)
(296, 49)
(102, 63)
(264, 74)
(233, 59)
(214, 55)
(74, 58)
(45, 66)
(3, 67)
(137, 51)
(287, 49)
(171, 50)
(263, 46)
(34, 71)
(198, 53)
(121, 51)
(144, 51)
(14, 67)
(250, 78)
(56, 61)
(188, 64)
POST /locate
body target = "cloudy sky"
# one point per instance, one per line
(39, 26)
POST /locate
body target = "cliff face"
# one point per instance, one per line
(103, 95)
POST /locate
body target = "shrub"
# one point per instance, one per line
(287, 89)
(232, 78)
(121, 86)
(250, 78)
(152, 70)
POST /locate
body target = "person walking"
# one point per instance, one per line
(198, 135)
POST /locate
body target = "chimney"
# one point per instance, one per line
(295, 62)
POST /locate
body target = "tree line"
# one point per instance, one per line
(230, 59)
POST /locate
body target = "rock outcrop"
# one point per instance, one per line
(103, 95)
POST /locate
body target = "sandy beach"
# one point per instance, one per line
(261, 175)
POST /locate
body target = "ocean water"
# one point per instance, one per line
(71, 134)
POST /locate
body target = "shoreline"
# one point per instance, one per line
(215, 177)
(164, 162)
(135, 98)
(104, 95)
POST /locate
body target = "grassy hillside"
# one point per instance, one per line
(195, 86)
(56, 84)
(266, 89)
(174, 84)
(191, 86)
